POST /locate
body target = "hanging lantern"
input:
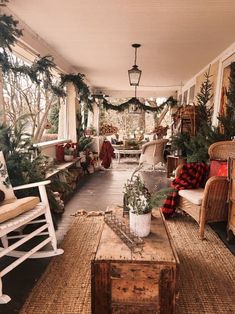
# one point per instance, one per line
(134, 73)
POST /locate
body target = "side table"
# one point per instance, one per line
(173, 162)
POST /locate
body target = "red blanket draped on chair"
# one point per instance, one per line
(106, 154)
(192, 176)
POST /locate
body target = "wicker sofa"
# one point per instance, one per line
(211, 203)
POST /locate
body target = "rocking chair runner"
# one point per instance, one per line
(15, 214)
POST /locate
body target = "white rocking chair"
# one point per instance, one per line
(23, 217)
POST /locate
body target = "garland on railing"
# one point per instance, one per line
(39, 72)
(135, 101)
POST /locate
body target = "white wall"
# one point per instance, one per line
(224, 59)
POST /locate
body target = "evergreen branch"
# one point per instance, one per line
(8, 31)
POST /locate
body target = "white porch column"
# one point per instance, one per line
(71, 112)
(96, 124)
(62, 129)
(90, 119)
(96, 117)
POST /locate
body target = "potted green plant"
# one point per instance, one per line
(69, 152)
(137, 199)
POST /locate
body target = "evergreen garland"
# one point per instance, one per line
(135, 101)
(40, 72)
(82, 88)
(9, 31)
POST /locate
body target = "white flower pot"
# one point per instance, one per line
(68, 157)
(140, 224)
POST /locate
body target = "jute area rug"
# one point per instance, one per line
(207, 271)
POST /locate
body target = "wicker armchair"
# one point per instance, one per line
(209, 204)
(153, 152)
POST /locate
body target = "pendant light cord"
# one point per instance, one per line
(135, 56)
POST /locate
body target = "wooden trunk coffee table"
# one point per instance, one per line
(126, 282)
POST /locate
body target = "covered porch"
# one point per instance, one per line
(72, 113)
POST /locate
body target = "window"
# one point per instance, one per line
(34, 104)
(191, 94)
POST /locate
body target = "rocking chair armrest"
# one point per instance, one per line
(31, 185)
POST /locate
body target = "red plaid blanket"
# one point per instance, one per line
(192, 176)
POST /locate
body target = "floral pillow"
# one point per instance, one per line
(5, 184)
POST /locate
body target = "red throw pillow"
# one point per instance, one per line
(218, 168)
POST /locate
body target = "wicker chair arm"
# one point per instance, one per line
(215, 199)
(177, 170)
(143, 148)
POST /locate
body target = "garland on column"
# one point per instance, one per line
(82, 88)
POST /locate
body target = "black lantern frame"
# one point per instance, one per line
(135, 73)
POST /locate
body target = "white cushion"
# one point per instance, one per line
(193, 196)
(5, 184)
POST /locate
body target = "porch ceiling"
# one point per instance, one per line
(178, 37)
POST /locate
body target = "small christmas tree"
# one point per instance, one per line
(204, 109)
(196, 147)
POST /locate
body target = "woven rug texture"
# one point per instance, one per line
(207, 271)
